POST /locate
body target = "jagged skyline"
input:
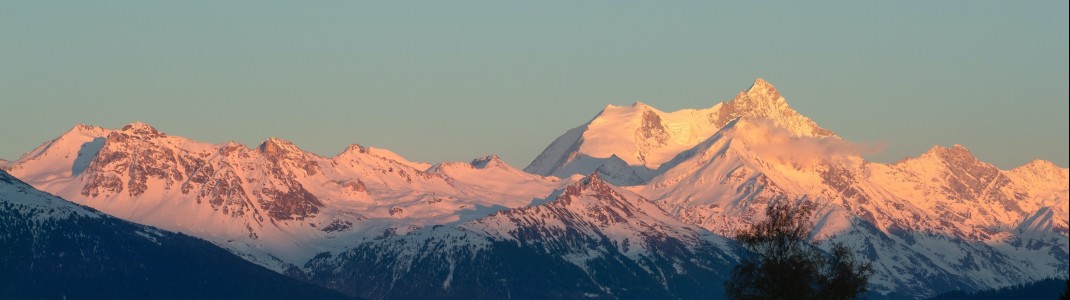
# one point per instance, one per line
(282, 207)
(987, 75)
(549, 150)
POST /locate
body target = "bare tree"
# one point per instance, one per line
(783, 265)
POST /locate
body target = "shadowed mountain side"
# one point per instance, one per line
(592, 241)
(54, 249)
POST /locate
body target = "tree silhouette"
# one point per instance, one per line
(1066, 291)
(783, 265)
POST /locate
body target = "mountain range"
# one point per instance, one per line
(635, 203)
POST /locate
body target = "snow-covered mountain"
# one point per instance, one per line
(942, 220)
(54, 249)
(276, 204)
(644, 137)
(926, 220)
(966, 198)
(369, 222)
(592, 240)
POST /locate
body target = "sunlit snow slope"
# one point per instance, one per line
(591, 240)
(275, 204)
(368, 222)
(55, 249)
(645, 137)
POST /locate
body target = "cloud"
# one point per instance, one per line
(774, 143)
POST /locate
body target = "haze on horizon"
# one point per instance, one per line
(447, 82)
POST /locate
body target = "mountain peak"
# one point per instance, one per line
(645, 137)
(1039, 165)
(956, 155)
(355, 148)
(763, 101)
(488, 161)
(616, 171)
(86, 128)
(140, 128)
(613, 112)
(959, 147)
(760, 85)
(592, 184)
(356, 151)
(591, 192)
(762, 97)
(955, 150)
(231, 147)
(276, 146)
(137, 125)
(83, 131)
(592, 180)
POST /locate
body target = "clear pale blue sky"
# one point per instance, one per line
(451, 81)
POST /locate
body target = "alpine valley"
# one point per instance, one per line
(635, 203)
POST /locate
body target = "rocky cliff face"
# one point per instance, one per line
(371, 223)
(276, 204)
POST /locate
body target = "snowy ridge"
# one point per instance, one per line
(591, 234)
(42, 207)
(594, 208)
(70, 153)
(276, 205)
(907, 216)
(645, 137)
(664, 190)
(617, 171)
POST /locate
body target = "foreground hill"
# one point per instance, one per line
(54, 249)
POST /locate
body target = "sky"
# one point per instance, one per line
(454, 80)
